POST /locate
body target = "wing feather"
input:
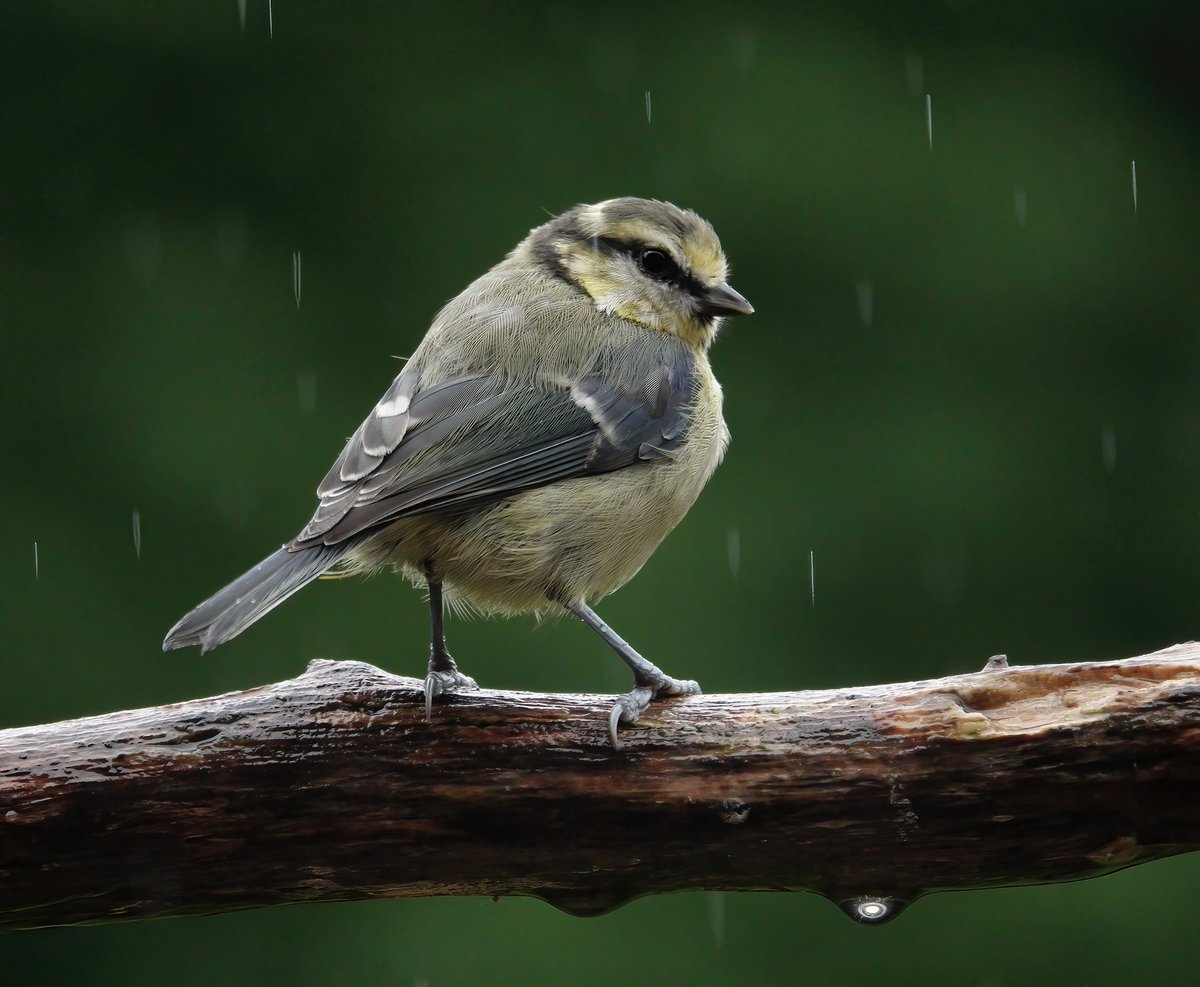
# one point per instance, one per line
(474, 439)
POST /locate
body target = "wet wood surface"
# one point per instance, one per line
(332, 786)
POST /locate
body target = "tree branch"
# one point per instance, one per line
(331, 786)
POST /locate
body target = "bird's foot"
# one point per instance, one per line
(444, 676)
(630, 707)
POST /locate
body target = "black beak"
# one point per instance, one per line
(723, 300)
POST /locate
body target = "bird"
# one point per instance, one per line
(558, 419)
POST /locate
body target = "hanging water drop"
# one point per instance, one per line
(873, 909)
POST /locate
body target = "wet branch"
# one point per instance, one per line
(331, 786)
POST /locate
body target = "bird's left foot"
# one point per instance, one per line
(444, 676)
(630, 707)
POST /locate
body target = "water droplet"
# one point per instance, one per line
(37, 572)
(733, 550)
(1133, 176)
(10, 816)
(1108, 449)
(586, 904)
(296, 276)
(1020, 204)
(872, 910)
(864, 293)
(137, 533)
(812, 577)
(270, 21)
(716, 916)
(929, 118)
(647, 105)
(242, 13)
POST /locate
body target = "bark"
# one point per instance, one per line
(332, 786)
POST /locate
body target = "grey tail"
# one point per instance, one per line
(227, 613)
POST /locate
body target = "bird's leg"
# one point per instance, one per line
(444, 675)
(649, 681)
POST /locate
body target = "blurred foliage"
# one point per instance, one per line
(970, 390)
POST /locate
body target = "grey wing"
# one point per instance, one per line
(481, 438)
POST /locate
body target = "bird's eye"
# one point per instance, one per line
(657, 264)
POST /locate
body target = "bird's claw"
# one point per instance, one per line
(630, 707)
(439, 681)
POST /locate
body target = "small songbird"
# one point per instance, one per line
(556, 422)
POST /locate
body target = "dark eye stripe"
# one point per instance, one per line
(658, 264)
(677, 276)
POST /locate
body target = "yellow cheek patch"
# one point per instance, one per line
(611, 296)
(640, 313)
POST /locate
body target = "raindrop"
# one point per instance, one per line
(812, 577)
(270, 21)
(1108, 449)
(1020, 205)
(306, 390)
(296, 276)
(586, 902)
(37, 572)
(242, 13)
(1133, 176)
(733, 551)
(929, 118)
(137, 533)
(10, 816)
(872, 910)
(647, 105)
(864, 293)
(914, 73)
(716, 916)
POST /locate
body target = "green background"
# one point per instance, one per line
(1003, 457)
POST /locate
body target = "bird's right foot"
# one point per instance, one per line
(444, 676)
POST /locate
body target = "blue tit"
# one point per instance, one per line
(559, 418)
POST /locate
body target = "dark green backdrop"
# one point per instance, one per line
(970, 389)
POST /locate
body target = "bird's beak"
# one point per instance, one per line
(723, 300)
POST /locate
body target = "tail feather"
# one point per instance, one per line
(229, 612)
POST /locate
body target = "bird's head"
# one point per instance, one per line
(645, 261)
